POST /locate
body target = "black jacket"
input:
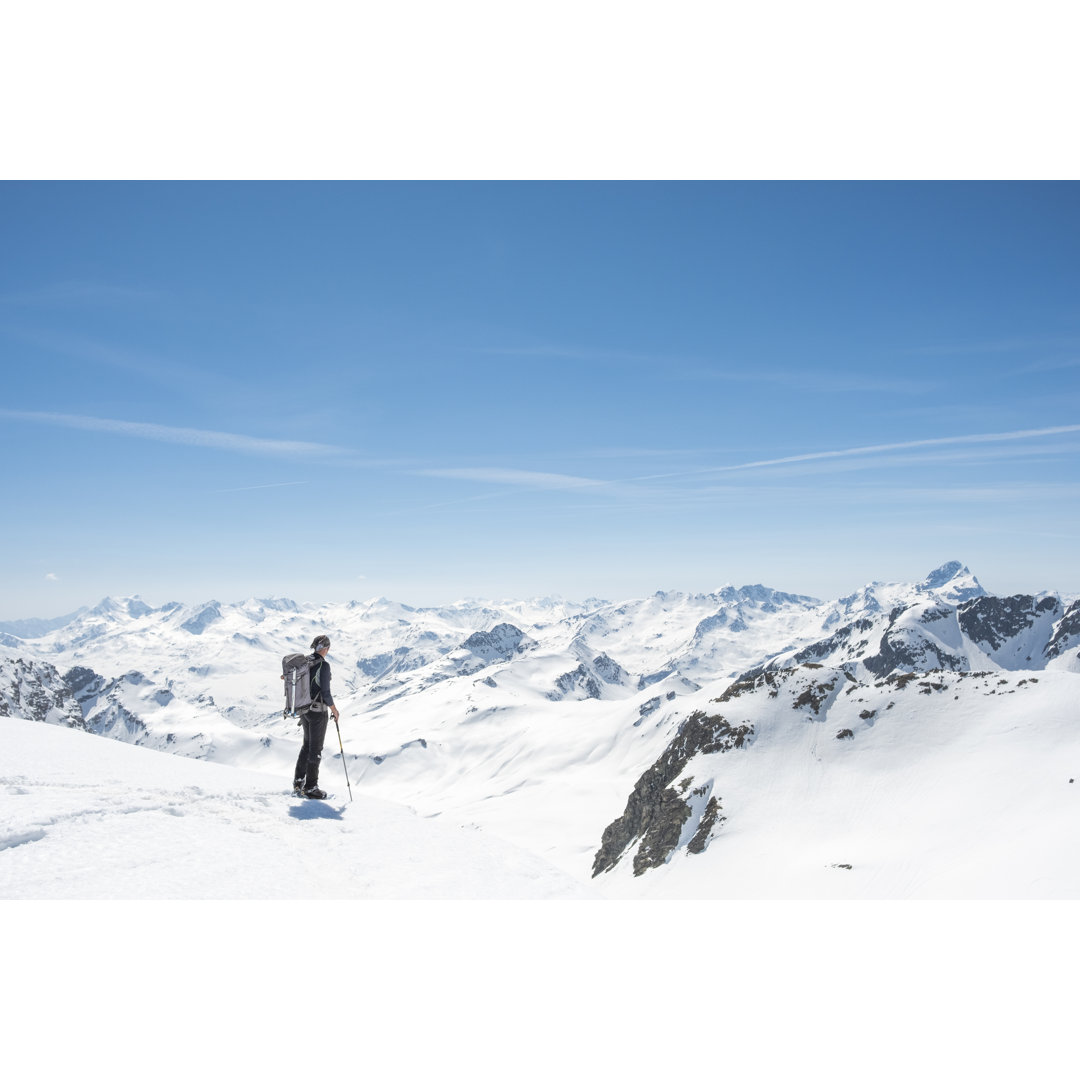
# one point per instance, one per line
(320, 683)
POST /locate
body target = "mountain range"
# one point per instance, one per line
(908, 739)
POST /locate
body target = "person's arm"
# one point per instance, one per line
(324, 689)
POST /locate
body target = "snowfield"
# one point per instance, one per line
(88, 818)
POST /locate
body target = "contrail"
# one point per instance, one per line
(217, 440)
(878, 448)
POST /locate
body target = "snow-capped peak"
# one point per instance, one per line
(953, 581)
(133, 606)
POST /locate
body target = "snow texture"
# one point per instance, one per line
(907, 740)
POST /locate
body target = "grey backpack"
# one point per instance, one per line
(299, 671)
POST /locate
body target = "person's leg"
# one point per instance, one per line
(300, 772)
(316, 724)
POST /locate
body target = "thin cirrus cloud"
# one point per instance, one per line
(523, 479)
(259, 487)
(215, 440)
(881, 454)
(874, 450)
(517, 478)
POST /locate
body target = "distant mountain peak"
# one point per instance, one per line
(206, 615)
(134, 606)
(500, 643)
(955, 579)
(945, 573)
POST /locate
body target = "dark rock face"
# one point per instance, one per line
(935, 614)
(83, 683)
(655, 813)
(587, 678)
(648, 707)
(711, 819)
(580, 680)
(609, 670)
(34, 690)
(103, 711)
(900, 649)
(991, 620)
(1066, 633)
(498, 645)
(663, 828)
(502, 642)
(815, 695)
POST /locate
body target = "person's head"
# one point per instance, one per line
(321, 644)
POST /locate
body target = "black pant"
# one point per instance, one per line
(307, 764)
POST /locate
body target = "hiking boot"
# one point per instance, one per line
(298, 787)
(314, 793)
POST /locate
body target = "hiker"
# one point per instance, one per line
(314, 720)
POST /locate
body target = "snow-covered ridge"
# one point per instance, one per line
(538, 719)
(192, 678)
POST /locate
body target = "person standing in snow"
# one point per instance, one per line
(314, 721)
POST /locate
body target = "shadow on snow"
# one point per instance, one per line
(310, 809)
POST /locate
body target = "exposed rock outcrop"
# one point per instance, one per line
(656, 812)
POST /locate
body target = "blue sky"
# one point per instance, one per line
(437, 390)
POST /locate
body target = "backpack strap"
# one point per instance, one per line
(316, 680)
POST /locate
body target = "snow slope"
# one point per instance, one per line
(88, 818)
(805, 782)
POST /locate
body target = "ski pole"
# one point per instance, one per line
(343, 765)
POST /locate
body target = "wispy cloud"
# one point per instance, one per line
(517, 478)
(52, 577)
(688, 486)
(875, 449)
(216, 440)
